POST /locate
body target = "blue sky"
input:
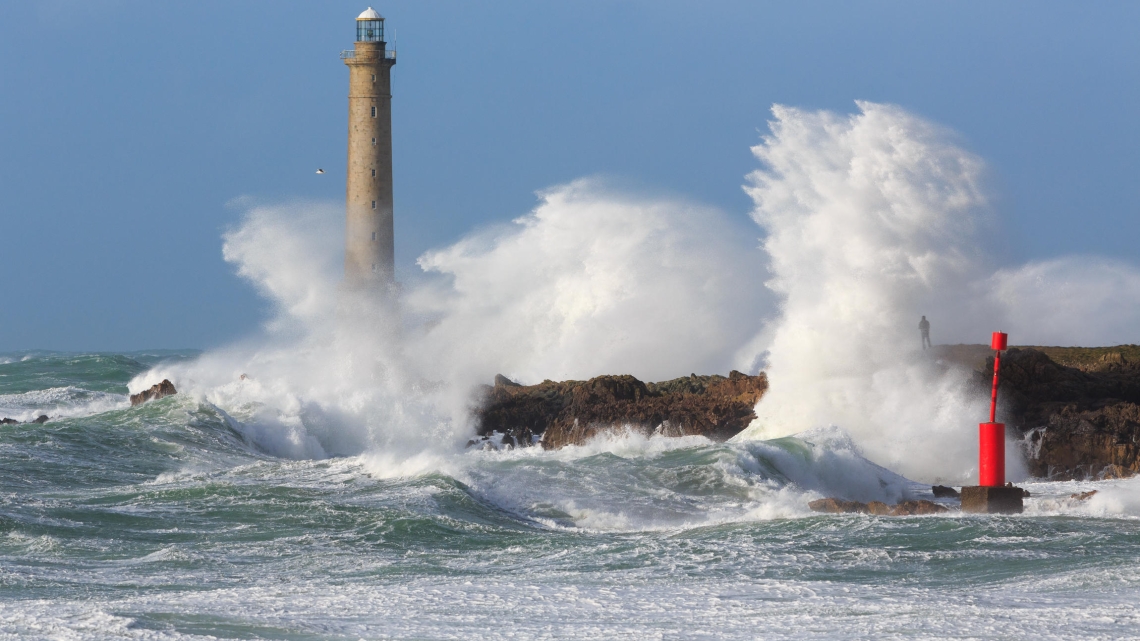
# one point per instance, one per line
(128, 129)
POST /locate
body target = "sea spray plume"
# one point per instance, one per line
(870, 222)
(291, 254)
(593, 281)
(1075, 300)
(327, 377)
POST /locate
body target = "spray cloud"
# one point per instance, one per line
(869, 221)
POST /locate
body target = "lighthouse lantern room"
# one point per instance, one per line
(370, 26)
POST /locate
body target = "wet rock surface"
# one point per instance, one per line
(41, 419)
(573, 412)
(161, 390)
(839, 506)
(1077, 423)
(943, 492)
(833, 505)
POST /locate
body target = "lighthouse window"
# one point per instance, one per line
(373, 142)
(373, 77)
(373, 172)
(374, 204)
(374, 112)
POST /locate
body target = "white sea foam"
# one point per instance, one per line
(1109, 499)
(59, 402)
(625, 602)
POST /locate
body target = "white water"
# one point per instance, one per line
(59, 402)
(868, 221)
(871, 222)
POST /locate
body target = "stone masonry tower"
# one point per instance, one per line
(369, 242)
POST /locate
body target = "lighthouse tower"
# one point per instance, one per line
(369, 261)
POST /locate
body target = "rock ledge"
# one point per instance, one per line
(573, 412)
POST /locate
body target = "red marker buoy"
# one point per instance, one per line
(991, 436)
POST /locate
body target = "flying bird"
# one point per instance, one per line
(320, 171)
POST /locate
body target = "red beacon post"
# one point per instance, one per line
(991, 436)
(991, 494)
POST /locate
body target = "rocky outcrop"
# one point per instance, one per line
(40, 420)
(573, 412)
(838, 506)
(943, 492)
(161, 390)
(902, 508)
(1086, 444)
(1077, 423)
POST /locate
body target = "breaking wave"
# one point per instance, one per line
(866, 222)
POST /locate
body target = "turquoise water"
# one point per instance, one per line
(169, 521)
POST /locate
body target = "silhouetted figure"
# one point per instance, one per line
(924, 327)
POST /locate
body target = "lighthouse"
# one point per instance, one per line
(369, 243)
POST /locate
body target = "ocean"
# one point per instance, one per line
(169, 521)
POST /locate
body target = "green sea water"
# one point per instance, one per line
(172, 520)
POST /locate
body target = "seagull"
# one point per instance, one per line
(320, 171)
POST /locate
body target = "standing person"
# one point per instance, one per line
(924, 327)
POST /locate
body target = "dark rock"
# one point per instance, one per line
(1083, 496)
(943, 492)
(1024, 492)
(915, 508)
(1079, 422)
(992, 500)
(161, 390)
(838, 506)
(503, 381)
(9, 421)
(41, 419)
(573, 412)
(1080, 444)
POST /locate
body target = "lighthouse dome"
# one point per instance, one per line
(369, 14)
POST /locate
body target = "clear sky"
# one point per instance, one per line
(129, 128)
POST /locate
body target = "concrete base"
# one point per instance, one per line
(992, 500)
